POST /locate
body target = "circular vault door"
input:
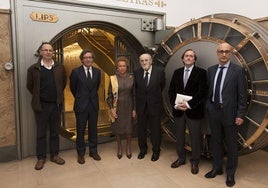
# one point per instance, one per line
(249, 40)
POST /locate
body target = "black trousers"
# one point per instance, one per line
(87, 118)
(153, 123)
(49, 117)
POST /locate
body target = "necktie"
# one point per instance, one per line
(186, 76)
(89, 77)
(146, 79)
(218, 86)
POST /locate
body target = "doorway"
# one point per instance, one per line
(108, 42)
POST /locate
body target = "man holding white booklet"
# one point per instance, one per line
(187, 93)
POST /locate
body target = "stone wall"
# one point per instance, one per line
(7, 100)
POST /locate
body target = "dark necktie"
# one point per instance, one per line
(186, 76)
(89, 78)
(146, 79)
(218, 86)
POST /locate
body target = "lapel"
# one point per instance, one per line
(190, 79)
(141, 78)
(82, 73)
(151, 77)
(213, 73)
(83, 76)
(180, 76)
(93, 74)
(229, 73)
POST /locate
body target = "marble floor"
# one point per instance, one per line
(130, 173)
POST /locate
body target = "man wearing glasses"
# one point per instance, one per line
(226, 109)
(46, 81)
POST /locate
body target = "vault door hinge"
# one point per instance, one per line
(152, 24)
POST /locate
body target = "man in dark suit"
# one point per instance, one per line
(84, 85)
(226, 105)
(149, 84)
(188, 80)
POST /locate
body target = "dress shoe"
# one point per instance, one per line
(39, 164)
(155, 157)
(95, 156)
(58, 160)
(119, 155)
(194, 168)
(230, 181)
(129, 156)
(80, 159)
(141, 155)
(213, 173)
(177, 163)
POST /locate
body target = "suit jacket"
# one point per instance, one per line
(152, 94)
(234, 92)
(81, 90)
(196, 87)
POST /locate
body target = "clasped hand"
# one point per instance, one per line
(181, 106)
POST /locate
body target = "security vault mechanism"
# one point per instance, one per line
(250, 42)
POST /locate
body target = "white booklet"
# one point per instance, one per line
(181, 98)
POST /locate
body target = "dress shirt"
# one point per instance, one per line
(222, 80)
(189, 73)
(90, 70)
(149, 75)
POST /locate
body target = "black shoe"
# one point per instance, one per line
(119, 155)
(213, 173)
(141, 155)
(177, 163)
(129, 156)
(230, 181)
(155, 157)
(194, 168)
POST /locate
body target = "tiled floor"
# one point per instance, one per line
(111, 172)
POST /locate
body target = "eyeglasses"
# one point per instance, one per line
(86, 57)
(46, 50)
(223, 51)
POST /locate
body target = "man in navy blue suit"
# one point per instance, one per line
(84, 85)
(226, 104)
(188, 80)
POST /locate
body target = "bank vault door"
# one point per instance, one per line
(107, 44)
(249, 40)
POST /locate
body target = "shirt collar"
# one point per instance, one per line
(225, 65)
(85, 68)
(190, 68)
(149, 70)
(47, 67)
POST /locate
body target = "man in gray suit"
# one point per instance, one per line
(227, 97)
